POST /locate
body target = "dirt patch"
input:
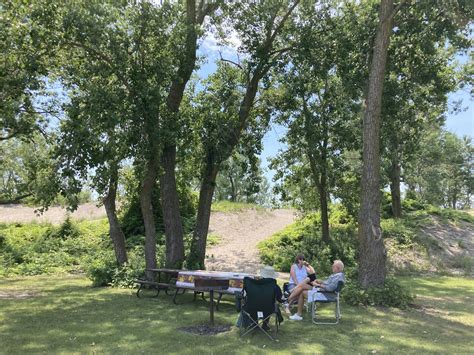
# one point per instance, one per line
(17, 295)
(240, 233)
(206, 329)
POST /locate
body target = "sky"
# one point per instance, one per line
(461, 123)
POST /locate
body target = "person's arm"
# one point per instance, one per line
(293, 274)
(309, 268)
(331, 283)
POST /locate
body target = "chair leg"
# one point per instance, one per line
(337, 313)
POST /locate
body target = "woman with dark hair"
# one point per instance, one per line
(301, 276)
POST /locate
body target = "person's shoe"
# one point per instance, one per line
(287, 308)
(265, 327)
(286, 294)
(296, 317)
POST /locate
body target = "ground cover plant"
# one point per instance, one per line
(64, 314)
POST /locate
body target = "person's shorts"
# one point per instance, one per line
(291, 287)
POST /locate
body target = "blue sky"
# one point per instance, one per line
(461, 123)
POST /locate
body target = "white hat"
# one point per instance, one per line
(268, 272)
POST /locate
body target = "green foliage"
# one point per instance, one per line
(396, 229)
(440, 173)
(392, 294)
(304, 236)
(32, 249)
(103, 269)
(131, 215)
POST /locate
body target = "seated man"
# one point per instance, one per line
(330, 284)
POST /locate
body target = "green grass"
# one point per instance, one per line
(66, 315)
(227, 206)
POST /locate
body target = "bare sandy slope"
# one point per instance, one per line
(55, 215)
(240, 233)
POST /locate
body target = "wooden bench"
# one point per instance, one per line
(157, 286)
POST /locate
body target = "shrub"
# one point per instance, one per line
(396, 229)
(304, 236)
(411, 205)
(125, 275)
(392, 294)
(101, 268)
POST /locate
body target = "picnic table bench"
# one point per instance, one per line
(183, 280)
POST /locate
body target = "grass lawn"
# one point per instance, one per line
(63, 314)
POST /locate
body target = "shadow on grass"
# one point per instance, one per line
(69, 316)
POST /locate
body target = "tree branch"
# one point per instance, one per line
(230, 61)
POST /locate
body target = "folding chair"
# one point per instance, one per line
(326, 297)
(258, 304)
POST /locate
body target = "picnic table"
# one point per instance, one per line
(183, 280)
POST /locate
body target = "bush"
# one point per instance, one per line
(126, 275)
(101, 268)
(304, 236)
(411, 205)
(396, 229)
(392, 294)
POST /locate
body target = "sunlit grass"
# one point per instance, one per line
(228, 206)
(63, 314)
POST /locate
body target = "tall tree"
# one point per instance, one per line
(164, 154)
(372, 254)
(117, 63)
(261, 28)
(419, 77)
(321, 113)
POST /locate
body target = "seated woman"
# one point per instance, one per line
(304, 273)
(299, 271)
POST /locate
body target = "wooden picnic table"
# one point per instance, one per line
(185, 280)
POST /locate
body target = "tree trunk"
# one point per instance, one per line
(372, 254)
(171, 213)
(320, 180)
(323, 200)
(232, 189)
(115, 231)
(147, 213)
(233, 137)
(197, 254)
(169, 195)
(395, 187)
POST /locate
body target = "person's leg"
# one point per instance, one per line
(297, 291)
(301, 302)
(299, 313)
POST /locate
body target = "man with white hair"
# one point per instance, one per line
(330, 284)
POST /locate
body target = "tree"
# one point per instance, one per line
(440, 173)
(320, 112)
(25, 62)
(418, 79)
(22, 173)
(372, 254)
(164, 154)
(241, 180)
(117, 62)
(261, 28)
